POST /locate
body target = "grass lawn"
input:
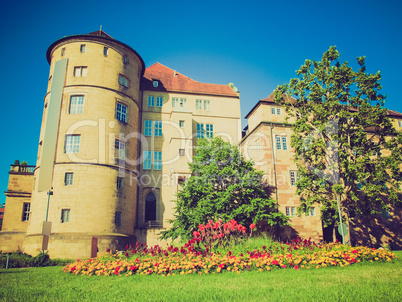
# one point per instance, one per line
(358, 282)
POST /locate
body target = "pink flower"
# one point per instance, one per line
(252, 226)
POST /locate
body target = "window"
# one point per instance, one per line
(385, 214)
(119, 183)
(148, 128)
(72, 143)
(311, 212)
(117, 218)
(207, 105)
(290, 211)
(198, 104)
(281, 143)
(125, 60)
(181, 124)
(210, 130)
(159, 101)
(200, 130)
(25, 211)
(151, 101)
(150, 207)
(181, 152)
(158, 128)
(293, 177)
(123, 81)
(65, 215)
(63, 51)
(157, 160)
(76, 104)
(82, 48)
(147, 160)
(121, 112)
(155, 83)
(278, 111)
(179, 104)
(105, 51)
(120, 148)
(400, 123)
(80, 71)
(68, 179)
(273, 110)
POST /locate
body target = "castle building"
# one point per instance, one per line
(266, 140)
(114, 145)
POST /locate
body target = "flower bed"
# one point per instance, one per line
(197, 257)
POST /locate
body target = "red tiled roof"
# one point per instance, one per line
(170, 80)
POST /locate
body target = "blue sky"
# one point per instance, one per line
(257, 45)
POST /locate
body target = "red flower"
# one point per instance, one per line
(296, 267)
(196, 234)
(275, 262)
(252, 226)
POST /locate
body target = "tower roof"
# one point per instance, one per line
(171, 80)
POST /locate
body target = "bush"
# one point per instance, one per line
(20, 259)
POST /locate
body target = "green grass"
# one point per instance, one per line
(359, 282)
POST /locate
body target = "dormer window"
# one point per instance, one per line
(155, 83)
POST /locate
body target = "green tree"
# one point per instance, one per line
(345, 144)
(223, 186)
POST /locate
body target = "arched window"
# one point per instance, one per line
(150, 207)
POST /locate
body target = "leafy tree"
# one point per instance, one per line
(223, 186)
(345, 144)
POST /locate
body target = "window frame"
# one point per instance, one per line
(65, 215)
(69, 146)
(119, 183)
(200, 130)
(148, 128)
(68, 178)
(117, 218)
(105, 51)
(147, 163)
(83, 48)
(151, 101)
(26, 210)
(181, 124)
(123, 81)
(207, 105)
(159, 101)
(198, 104)
(120, 114)
(157, 160)
(120, 149)
(80, 71)
(158, 128)
(77, 107)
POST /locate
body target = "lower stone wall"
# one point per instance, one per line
(76, 245)
(12, 241)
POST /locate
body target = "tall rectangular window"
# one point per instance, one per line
(121, 112)
(147, 160)
(290, 211)
(80, 71)
(198, 104)
(120, 148)
(157, 160)
(210, 130)
(400, 123)
(181, 124)
(159, 101)
(63, 51)
(117, 218)
(273, 110)
(278, 143)
(26, 208)
(175, 102)
(311, 212)
(200, 130)
(151, 101)
(207, 105)
(82, 48)
(125, 60)
(158, 128)
(72, 143)
(148, 128)
(284, 143)
(119, 183)
(123, 81)
(278, 111)
(76, 104)
(182, 103)
(293, 178)
(65, 215)
(105, 51)
(68, 178)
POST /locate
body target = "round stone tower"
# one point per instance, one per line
(85, 180)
